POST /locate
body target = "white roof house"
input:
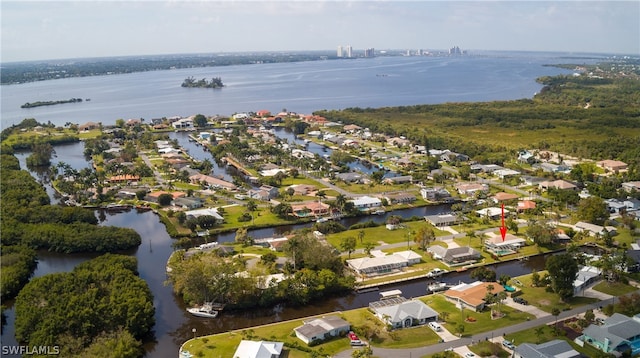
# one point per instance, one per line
(492, 212)
(262, 349)
(320, 328)
(201, 212)
(384, 264)
(404, 314)
(365, 202)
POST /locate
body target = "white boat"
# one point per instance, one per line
(437, 286)
(205, 311)
(436, 272)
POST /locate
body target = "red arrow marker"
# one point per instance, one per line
(503, 228)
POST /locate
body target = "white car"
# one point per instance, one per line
(470, 355)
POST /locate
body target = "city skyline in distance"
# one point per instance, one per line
(66, 29)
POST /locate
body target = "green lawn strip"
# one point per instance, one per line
(547, 301)
(483, 321)
(288, 181)
(489, 349)
(544, 333)
(614, 288)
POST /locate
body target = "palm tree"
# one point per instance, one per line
(555, 312)
(361, 235)
(539, 332)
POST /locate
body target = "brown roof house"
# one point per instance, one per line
(612, 165)
(472, 295)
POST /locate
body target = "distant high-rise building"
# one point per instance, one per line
(455, 51)
(370, 52)
(340, 53)
(349, 51)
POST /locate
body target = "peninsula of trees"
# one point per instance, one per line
(216, 82)
(50, 103)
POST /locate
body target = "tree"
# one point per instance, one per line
(200, 120)
(563, 270)
(361, 235)
(251, 205)
(348, 244)
(444, 316)
(539, 332)
(424, 237)
(555, 311)
(483, 273)
(368, 246)
(165, 199)
(541, 233)
(593, 210)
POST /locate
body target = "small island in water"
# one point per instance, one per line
(50, 103)
(216, 82)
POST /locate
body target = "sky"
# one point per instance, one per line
(41, 30)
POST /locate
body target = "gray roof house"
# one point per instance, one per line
(454, 256)
(440, 220)
(320, 329)
(618, 333)
(551, 349)
(401, 313)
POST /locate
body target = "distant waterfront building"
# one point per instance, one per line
(349, 51)
(455, 51)
(370, 52)
(340, 52)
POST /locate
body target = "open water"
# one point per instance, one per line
(301, 87)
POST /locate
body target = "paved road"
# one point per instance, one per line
(458, 344)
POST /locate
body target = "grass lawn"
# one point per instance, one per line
(380, 235)
(547, 301)
(483, 321)
(614, 288)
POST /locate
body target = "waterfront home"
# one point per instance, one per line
(472, 295)
(400, 198)
(319, 329)
(551, 349)
(398, 312)
(382, 263)
(211, 182)
(313, 208)
(188, 203)
(123, 178)
(262, 349)
(441, 220)
(510, 245)
(153, 196)
(435, 193)
(88, 126)
(366, 202)
(350, 177)
(183, 123)
(192, 214)
(616, 335)
(455, 256)
(403, 179)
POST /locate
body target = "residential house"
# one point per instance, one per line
(553, 168)
(511, 244)
(313, 208)
(615, 206)
(378, 265)
(400, 198)
(398, 142)
(502, 197)
(634, 254)
(529, 180)
(435, 194)
(192, 214)
(471, 189)
(441, 220)
(492, 213)
(616, 335)
(183, 123)
(303, 189)
(123, 178)
(366, 202)
(630, 186)
(398, 312)
(454, 157)
(613, 165)
(403, 179)
(557, 184)
(261, 349)
(526, 205)
(278, 244)
(350, 177)
(472, 295)
(586, 276)
(89, 126)
(505, 173)
(351, 128)
(263, 113)
(526, 156)
(455, 256)
(189, 203)
(211, 182)
(319, 329)
(594, 230)
(406, 162)
(556, 348)
(153, 197)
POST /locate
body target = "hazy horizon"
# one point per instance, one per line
(57, 30)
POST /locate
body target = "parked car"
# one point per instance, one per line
(508, 344)
(520, 300)
(436, 327)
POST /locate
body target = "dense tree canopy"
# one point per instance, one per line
(563, 270)
(101, 296)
